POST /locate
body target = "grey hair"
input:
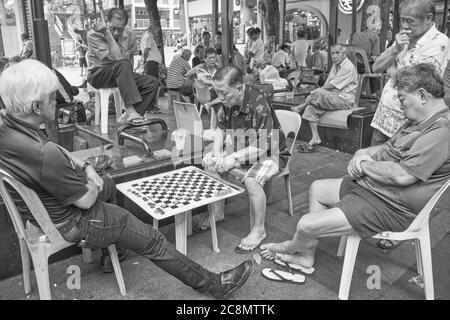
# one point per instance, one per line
(417, 8)
(185, 53)
(422, 75)
(231, 74)
(343, 46)
(26, 82)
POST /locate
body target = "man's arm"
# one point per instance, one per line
(388, 173)
(89, 198)
(388, 57)
(145, 53)
(114, 49)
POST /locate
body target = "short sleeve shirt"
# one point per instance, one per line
(433, 47)
(148, 41)
(177, 72)
(343, 78)
(27, 155)
(256, 116)
(422, 150)
(99, 49)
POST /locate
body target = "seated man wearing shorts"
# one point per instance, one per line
(256, 151)
(388, 184)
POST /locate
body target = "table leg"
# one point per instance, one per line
(181, 232)
(189, 223)
(155, 224)
(212, 220)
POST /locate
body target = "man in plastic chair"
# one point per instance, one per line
(78, 207)
(338, 93)
(112, 47)
(259, 154)
(388, 184)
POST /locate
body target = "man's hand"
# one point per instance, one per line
(354, 166)
(229, 163)
(99, 26)
(94, 177)
(402, 39)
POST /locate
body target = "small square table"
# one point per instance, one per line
(176, 193)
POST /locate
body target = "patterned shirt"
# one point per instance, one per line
(256, 113)
(432, 47)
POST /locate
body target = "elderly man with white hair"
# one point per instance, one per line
(337, 93)
(71, 191)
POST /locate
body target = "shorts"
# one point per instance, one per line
(82, 62)
(262, 171)
(367, 213)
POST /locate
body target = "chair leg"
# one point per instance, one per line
(117, 269)
(287, 182)
(427, 267)
(349, 263)
(40, 262)
(97, 108)
(87, 255)
(104, 103)
(118, 104)
(26, 266)
(418, 257)
(341, 249)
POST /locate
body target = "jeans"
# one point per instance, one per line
(105, 224)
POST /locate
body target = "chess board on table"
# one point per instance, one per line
(170, 193)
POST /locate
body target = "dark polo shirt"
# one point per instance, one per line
(422, 150)
(28, 155)
(257, 114)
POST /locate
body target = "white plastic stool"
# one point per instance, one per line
(102, 104)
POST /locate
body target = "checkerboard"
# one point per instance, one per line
(177, 191)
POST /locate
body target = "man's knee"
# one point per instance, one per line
(123, 65)
(315, 189)
(253, 186)
(307, 225)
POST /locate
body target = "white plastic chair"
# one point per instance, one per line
(417, 231)
(290, 122)
(102, 103)
(41, 242)
(187, 117)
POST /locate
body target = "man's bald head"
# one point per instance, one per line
(186, 54)
(230, 75)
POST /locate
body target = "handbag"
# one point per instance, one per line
(188, 87)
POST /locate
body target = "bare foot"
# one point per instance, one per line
(252, 240)
(269, 249)
(304, 259)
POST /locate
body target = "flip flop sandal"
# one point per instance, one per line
(295, 267)
(241, 250)
(306, 148)
(283, 276)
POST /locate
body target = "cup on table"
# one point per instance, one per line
(290, 95)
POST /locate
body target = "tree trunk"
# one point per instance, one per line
(182, 16)
(270, 11)
(155, 23)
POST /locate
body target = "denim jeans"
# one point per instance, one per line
(106, 223)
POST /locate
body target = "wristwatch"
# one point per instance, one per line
(85, 165)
